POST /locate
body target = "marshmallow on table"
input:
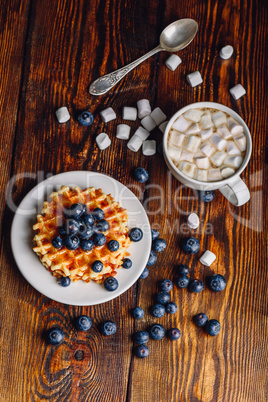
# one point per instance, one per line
(176, 138)
(237, 91)
(193, 129)
(134, 143)
(227, 171)
(173, 62)
(149, 147)
(226, 52)
(129, 113)
(107, 115)
(224, 132)
(142, 133)
(194, 78)
(186, 156)
(62, 114)
(122, 131)
(241, 142)
(233, 161)
(202, 162)
(194, 115)
(206, 121)
(201, 175)
(103, 141)
(218, 141)
(207, 258)
(158, 116)
(207, 148)
(181, 124)
(187, 168)
(205, 134)
(193, 221)
(218, 158)
(144, 108)
(148, 123)
(219, 118)
(214, 174)
(234, 127)
(174, 153)
(163, 126)
(232, 149)
(193, 143)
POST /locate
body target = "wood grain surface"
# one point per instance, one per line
(50, 53)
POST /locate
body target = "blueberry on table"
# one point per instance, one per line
(216, 282)
(108, 328)
(190, 245)
(98, 214)
(64, 281)
(144, 273)
(163, 297)
(55, 336)
(85, 118)
(158, 310)
(102, 225)
(183, 281)
(155, 234)
(213, 327)
(113, 245)
(157, 332)
(174, 334)
(74, 212)
(141, 337)
(196, 286)
(72, 226)
(141, 175)
(135, 234)
(206, 196)
(152, 259)
(82, 323)
(97, 266)
(138, 313)
(127, 263)
(200, 319)
(111, 283)
(88, 219)
(171, 307)
(141, 351)
(166, 285)
(183, 269)
(85, 232)
(159, 245)
(71, 242)
(57, 242)
(86, 245)
(99, 239)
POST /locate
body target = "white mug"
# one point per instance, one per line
(233, 188)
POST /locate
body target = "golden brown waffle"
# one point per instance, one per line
(77, 264)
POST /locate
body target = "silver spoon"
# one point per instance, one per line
(174, 37)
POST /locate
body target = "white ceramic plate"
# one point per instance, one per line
(79, 293)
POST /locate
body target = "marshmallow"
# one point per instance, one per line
(62, 114)
(207, 149)
(218, 141)
(163, 126)
(144, 108)
(187, 168)
(218, 158)
(206, 121)
(176, 138)
(148, 123)
(193, 221)
(214, 175)
(194, 115)
(134, 143)
(193, 143)
(207, 258)
(233, 161)
(237, 91)
(174, 152)
(193, 129)
(142, 133)
(122, 131)
(158, 116)
(224, 132)
(186, 156)
(129, 113)
(226, 52)
(181, 124)
(205, 134)
(107, 115)
(234, 127)
(149, 147)
(232, 149)
(241, 142)
(219, 118)
(194, 78)
(173, 62)
(103, 141)
(201, 175)
(227, 171)
(202, 162)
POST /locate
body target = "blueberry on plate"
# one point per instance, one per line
(127, 263)
(113, 245)
(190, 245)
(55, 336)
(157, 332)
(108, 328)
(216, 282)
(163, 297)
(98, 214)
(141, 351)
(206, 196)
(85, 118)
(141, 337)
(155, 234)
(200, 319)
(64, 281)
(183, 281)
(137, 312)
(183, 269)
(174, 334)
(135, 234)
(152, 259)
(72, 226)
(88, 219)
(74, 212)
(158, 310)
(166, 285)
(57, 242)
(213, 327)
(71, 242)
(82, 323)
(97, 266)
(144, 273)
(159, 245)
(99, 239)
(84, 207)
(196, 286)
(111, 283)
(102, 225)
(85, 232)
(86, 245)
(171, 307)
(141, 175)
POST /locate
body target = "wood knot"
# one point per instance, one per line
(79, 355)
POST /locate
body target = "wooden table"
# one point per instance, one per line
(50, 53)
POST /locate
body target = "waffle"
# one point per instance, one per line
(76, 264)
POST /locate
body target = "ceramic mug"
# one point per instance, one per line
(233, 187)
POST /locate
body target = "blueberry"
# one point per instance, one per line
(127, 263)
(163, 297)
(213, 327)
(55, 336)
(113, 245)
(158, 310)
(157, 331)
(86, 245)
(144, 273)
(138, 312)
(183, 269)
(152, 259)
(74, 212)
(97, 266)
(141, 337)
(57, 242)
(102, 225)
(62, 231)
(82, 323)
(216, 282)
(190, 245)
(72, 226)
(183, 281)
(71, 242)
(196, 286)
(155, 234)
(64, 281)
(159, 245)
(108, 328)
(85, 118)
(206, 196)
(171, 307)
(98, 214)
(88, 219)
(141, 351)
(111, 283)
(84, 207)
(141, 175)
(85, 232)
(99, 239)
(166, 285)
(135, 234)
(174, 334)
(200, 319)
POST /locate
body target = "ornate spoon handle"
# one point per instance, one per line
(105, 83)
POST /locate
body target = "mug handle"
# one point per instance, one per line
(236, 192)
